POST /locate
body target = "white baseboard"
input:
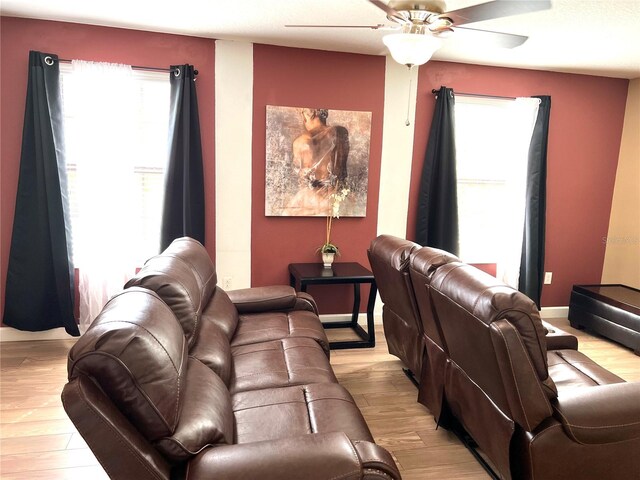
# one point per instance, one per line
(346, 317)
(546, 312)
(554, 312)
(10, 334)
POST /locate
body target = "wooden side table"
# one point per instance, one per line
(303, 274)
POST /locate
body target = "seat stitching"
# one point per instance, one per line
(602, 426)
(267, 405)
(260, 373)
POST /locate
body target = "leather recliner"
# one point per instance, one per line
(535, 413)
(389, 260)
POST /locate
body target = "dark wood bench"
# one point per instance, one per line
(612, 311)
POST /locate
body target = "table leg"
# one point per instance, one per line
(356, 304)
(370, 307)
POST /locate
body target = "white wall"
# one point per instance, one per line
(234, 125)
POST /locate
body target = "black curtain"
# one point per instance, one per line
(437, 223)
(183, 209)
(40, 283)
(532, 261)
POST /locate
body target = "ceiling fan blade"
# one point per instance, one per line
(497, 39)
(496, 9)
(391, 13)
(372, 27)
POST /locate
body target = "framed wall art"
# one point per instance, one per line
(312, 154)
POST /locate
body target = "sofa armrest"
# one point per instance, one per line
(304, 301)
(600, 414)
(315, 456)
(559, 339)
(119, 447)
(263, 299)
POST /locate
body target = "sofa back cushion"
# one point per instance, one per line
(206, 417)
(495, 335)
(212, 348)
(389, 259)
(423, 264)
(136, 352)
(174, 281)
(222, 312)
(488, 300)
(196, 256)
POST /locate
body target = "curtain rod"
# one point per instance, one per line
(435, 92)
(137, 67)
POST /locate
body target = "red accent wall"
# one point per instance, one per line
(313, 78)
(86, 42)
(587, 115)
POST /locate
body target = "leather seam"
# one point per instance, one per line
(118, 436)
(515, 381)
(533, 369)
(307, 402)
(530, 448)
(591, 362)
(267, 405)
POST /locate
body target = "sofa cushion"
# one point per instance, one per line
(212, 348)
(279, 363)
(205, 418)
(222, 312)
(264, 327)
(196, 256)
(174, 281)
(570, 369)
(136, 352)
(276, 413)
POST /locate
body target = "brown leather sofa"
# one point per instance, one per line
(178, 379)
(535, 413)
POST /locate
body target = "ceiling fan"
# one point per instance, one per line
(424, 22)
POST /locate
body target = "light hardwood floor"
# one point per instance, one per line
(37, 440)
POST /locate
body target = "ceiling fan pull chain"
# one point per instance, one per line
(407, 122)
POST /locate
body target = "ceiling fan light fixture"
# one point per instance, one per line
(411, 48)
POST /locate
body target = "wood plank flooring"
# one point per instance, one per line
(38, 441)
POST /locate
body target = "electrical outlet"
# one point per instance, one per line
(547, 277)
(227, 283)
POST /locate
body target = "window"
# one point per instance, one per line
(145, 150)
(492, 142)
(116, 124)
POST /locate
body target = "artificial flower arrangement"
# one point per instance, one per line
(335, 200)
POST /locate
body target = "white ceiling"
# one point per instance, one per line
(599, 37)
